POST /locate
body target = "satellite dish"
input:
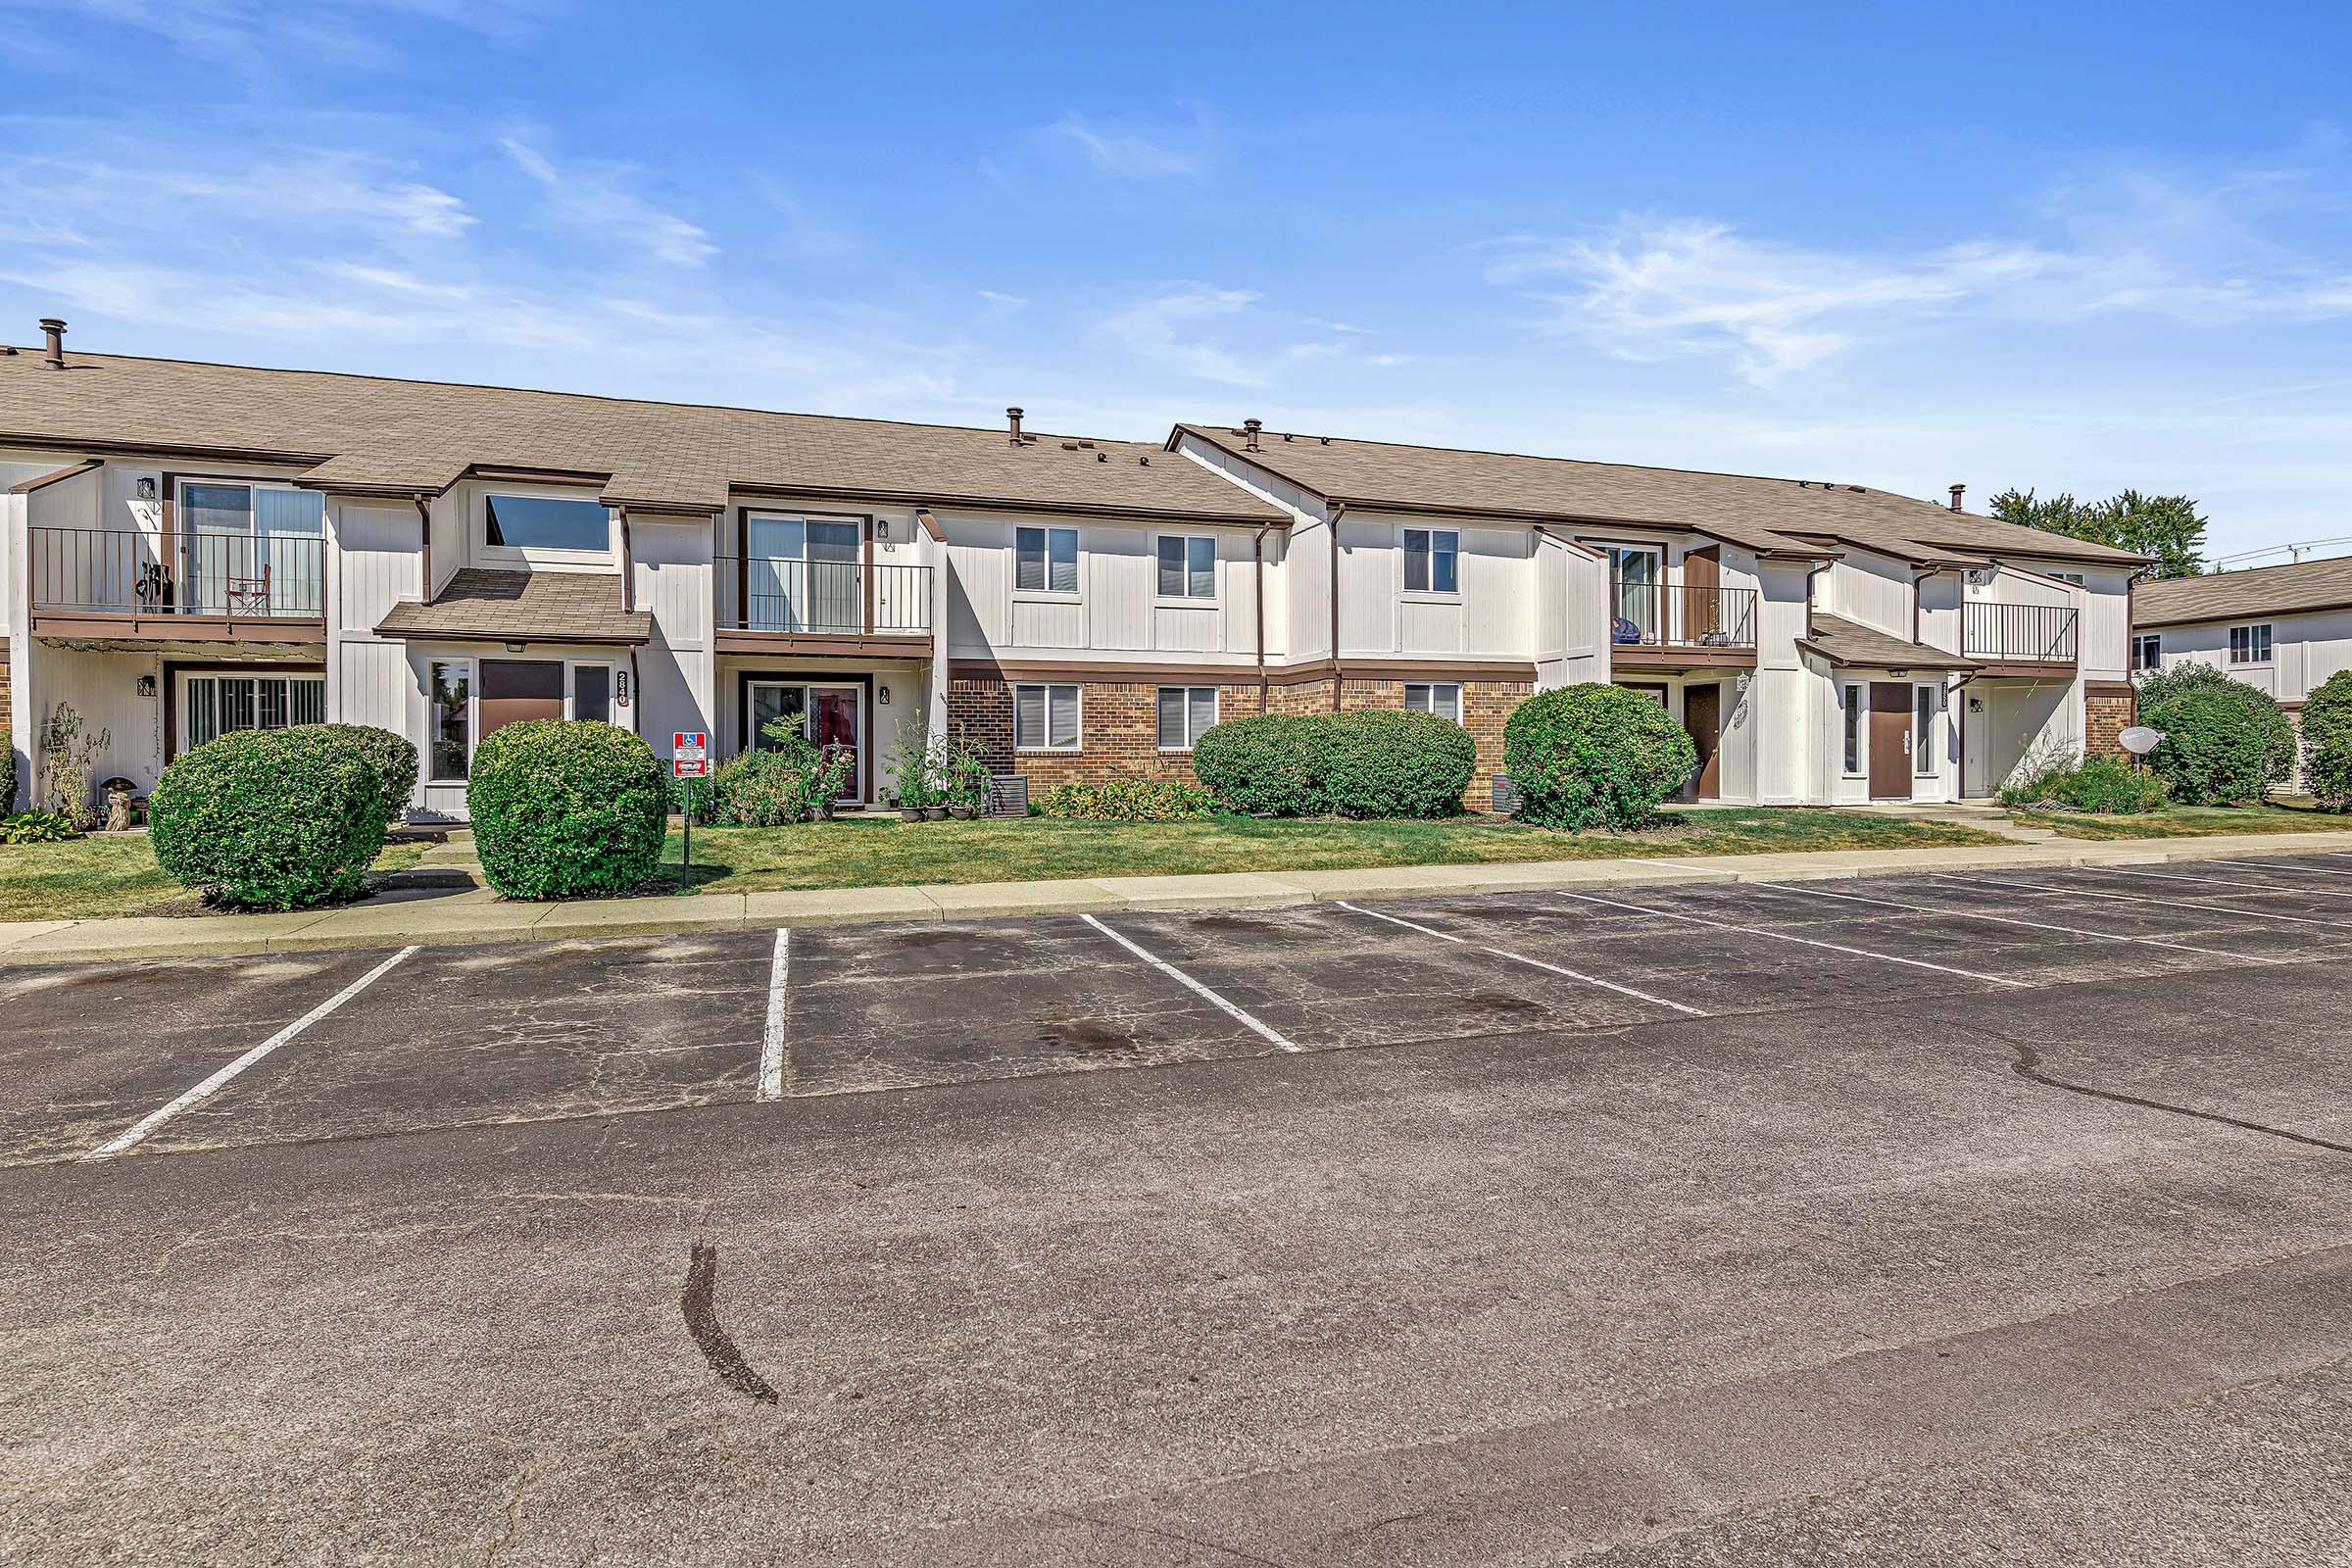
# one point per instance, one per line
(2140, 740)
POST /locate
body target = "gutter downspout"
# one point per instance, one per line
(628, 570)
(425, 555)
(1339, 510)
(1811, 572)
(1257, 560)
(1919, 574)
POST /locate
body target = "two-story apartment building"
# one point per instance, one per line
(192, 548)
(2284, 630)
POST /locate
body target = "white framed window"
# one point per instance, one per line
(2148, 649)
(247, 549)
(1854, 712)
(2250, 645)
(1926, 702)
(2073, 577)
(1185, 713)
(521, 527)
(1045, 719)
(1637, 593)
(1442, 698)
(591, 694)
(1044, 561)
(213, 705)
(1187, 565)
(1432, 560)
(449, 720)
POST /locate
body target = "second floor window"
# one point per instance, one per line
(2148, 651)
(1044, 561)
(2250, 645)
(1188, 567)
(1432, 560)
(546, 522)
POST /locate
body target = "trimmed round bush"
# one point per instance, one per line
(1269, 764)
(394, 757)
(1594, 755)
(566, 807)
(269, 819)
(2215, 751)
(1387, 763)
(2328, 712)
(2198, 772)
(2330, 773)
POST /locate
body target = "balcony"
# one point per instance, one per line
(2039, 636)
(771, 604)
(96, 582)
(1673, 625)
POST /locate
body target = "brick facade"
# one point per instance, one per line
(1118, 728)
(2107, 712)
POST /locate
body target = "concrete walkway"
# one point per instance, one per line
(421, 916)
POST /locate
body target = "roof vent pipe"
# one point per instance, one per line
(1250, 429)
(1956, 489)
(1013, 417)
(56, 329)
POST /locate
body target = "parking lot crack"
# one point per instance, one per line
(718, 1347)
(1235, 1552)
(2025, 1062)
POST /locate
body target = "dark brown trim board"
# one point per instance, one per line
(1670, 656)
(43, 481)
(181, 628)
(1414, 669)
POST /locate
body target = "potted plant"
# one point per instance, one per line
(910, 767)
(966, 776)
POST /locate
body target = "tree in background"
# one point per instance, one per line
(2167, 527)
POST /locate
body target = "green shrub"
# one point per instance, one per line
(1130, 800)
(566, 806)
(38, 827)
(2330, 773)
(2265, 741)
(1382, 762)
(394, 757)
(2107, 784)
(1269, 764)
(1595, 755)
(269, 819)
(2327, 712)
(7, 770)
(2225, 743)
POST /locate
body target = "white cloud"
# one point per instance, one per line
(1164, 332)
(594, 197)
(1130, 155)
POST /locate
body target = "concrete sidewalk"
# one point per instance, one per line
(400, 918)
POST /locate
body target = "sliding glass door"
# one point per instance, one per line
(252, 550)
(802, 575)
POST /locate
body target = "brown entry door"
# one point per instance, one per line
(516, 689)
(1890, 740)
(1702, 716)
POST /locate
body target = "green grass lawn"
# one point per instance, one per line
(882, 851)
(2188, 821)
(108, 874)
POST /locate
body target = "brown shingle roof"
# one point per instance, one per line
(541, 606)
(2306, 585)
(372, 433)
(1771, 516)
(1849, 643)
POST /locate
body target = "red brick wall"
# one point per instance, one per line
(2105, 715)
(1118, 725)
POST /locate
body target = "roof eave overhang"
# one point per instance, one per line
(1269, 519)
(440, 634)
(1934, 659)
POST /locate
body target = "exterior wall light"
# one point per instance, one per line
(146, 685)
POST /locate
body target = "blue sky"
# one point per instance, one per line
(2072, 248)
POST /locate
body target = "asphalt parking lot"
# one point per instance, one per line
(1914, 1217)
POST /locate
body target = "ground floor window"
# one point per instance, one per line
(1185, 713)
(1927, 702)
(1853, 729)
(2148, 649)
(1045, 719)
(592, 692)
(1442, 700)
(449, 727)
(216, 705)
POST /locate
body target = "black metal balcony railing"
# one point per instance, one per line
(1651, 614)
(2040, 634)
(823, 598)
(124, 572)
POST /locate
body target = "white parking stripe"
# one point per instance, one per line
(1194, 986)
(212, 1086)
(1521, 958)
(771, 1041)
(2139, 897)
(2223, 882)
(1810, 942)
(2038, 925)
(2302, 871)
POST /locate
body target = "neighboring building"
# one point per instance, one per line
(2283, 630)
(186, 548)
